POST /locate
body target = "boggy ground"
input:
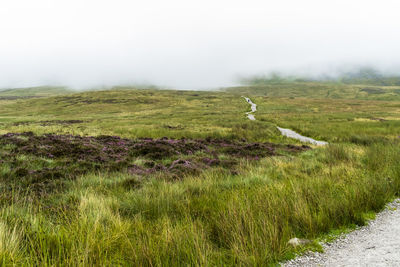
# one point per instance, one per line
(81, 196)
(41, 163)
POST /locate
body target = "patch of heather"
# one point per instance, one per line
(63, 157)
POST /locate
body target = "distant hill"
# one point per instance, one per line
(369, 76)
(314, 89)
(364, 76)
(363, 84)
(42, 91)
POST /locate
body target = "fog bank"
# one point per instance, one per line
(190, 45)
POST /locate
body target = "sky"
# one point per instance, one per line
(187, 44)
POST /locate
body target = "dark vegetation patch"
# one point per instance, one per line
(172, 127)
(371, 90)
(49, 122)
(82, 100)
(17, 97)
(43, 163)
(87, 100)
(378, 119)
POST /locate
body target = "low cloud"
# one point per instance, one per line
(188, 45)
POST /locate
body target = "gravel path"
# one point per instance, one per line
(377, 244)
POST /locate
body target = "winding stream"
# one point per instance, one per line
(253, 109)
(285, 132)
(292, 134)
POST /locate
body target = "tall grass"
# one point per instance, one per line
(214, 219)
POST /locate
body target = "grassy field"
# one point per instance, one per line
(161, 177)
(33, 92)
(318, 90)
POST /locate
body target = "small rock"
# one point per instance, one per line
(297, 242)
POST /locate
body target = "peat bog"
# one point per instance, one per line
(42, 162)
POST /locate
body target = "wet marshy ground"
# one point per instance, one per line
(42, 162)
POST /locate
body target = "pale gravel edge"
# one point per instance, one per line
(319, 259)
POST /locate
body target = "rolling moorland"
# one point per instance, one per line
(163, 177)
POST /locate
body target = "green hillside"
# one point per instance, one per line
(41, 91)
(328, 90)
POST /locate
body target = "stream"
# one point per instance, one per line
(253, 109)
(285, 132)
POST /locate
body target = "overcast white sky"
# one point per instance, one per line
(189, 44)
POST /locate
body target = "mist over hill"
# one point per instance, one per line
(176, 44)
(362, 75)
